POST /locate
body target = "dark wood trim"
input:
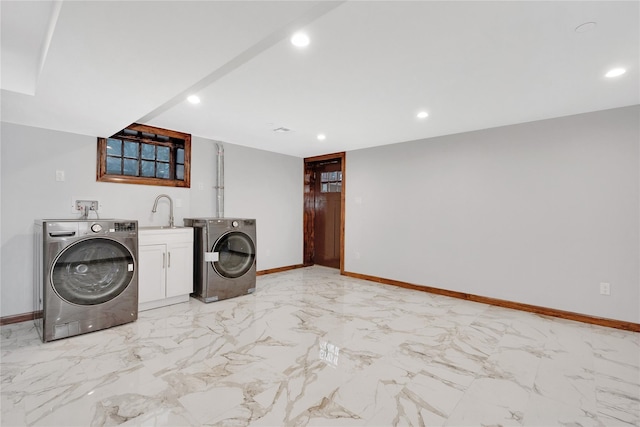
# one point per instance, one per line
(343, 201)
(187, 162)
(159, 131)
(101, 160)
(279, 269)
(325, 157)
(308, 215)
(308, 209)
(545, 311)
(18, 318)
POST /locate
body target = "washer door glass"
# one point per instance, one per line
(236, 254)
(92, 271)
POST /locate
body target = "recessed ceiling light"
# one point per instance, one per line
(322, 137)
(615, 72)
(423, 115)
(300, 40)
(194, 99)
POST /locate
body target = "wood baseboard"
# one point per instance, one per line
(584, 318)
(17, 318)
(545, 311)
(279, 269)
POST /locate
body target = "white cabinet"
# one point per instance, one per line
(165, 266)
(152, 275)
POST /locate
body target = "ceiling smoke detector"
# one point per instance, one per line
(586, 27)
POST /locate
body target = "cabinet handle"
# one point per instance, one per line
(169, 263)
(164, 256)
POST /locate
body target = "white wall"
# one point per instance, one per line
(0, 211)
(31, 156)
(538, 213)
(268, 187)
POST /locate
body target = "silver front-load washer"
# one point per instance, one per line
(86, 276)
(224, 257)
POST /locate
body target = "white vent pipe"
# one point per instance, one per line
(220, 181)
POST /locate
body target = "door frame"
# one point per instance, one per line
(309, 211)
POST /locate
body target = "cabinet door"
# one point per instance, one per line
(180, 269)
(151, 272)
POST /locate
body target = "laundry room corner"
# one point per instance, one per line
(259, 184)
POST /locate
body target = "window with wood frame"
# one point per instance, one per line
(142, 154)
(331, 182)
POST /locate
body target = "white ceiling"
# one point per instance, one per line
(94, 67)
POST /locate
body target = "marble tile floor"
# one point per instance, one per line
(313, 348)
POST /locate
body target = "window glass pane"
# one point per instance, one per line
(148, 151)
(325, 187)
(163, 154)
(114, 147)
(131, 150)
(130, 167)
(134, 156)
(324, 176)
(148, 168)
(162, 170)
(339, 176)
(333, 176)
(114, 165)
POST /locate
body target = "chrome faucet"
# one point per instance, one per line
(155, 208)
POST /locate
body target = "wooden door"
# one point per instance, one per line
(328, 187)
(324, 211)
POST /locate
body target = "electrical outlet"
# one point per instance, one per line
(605, 288)
(84, 206)
(59, 176)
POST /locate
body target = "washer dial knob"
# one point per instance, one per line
(96, 228)
(235, 224)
